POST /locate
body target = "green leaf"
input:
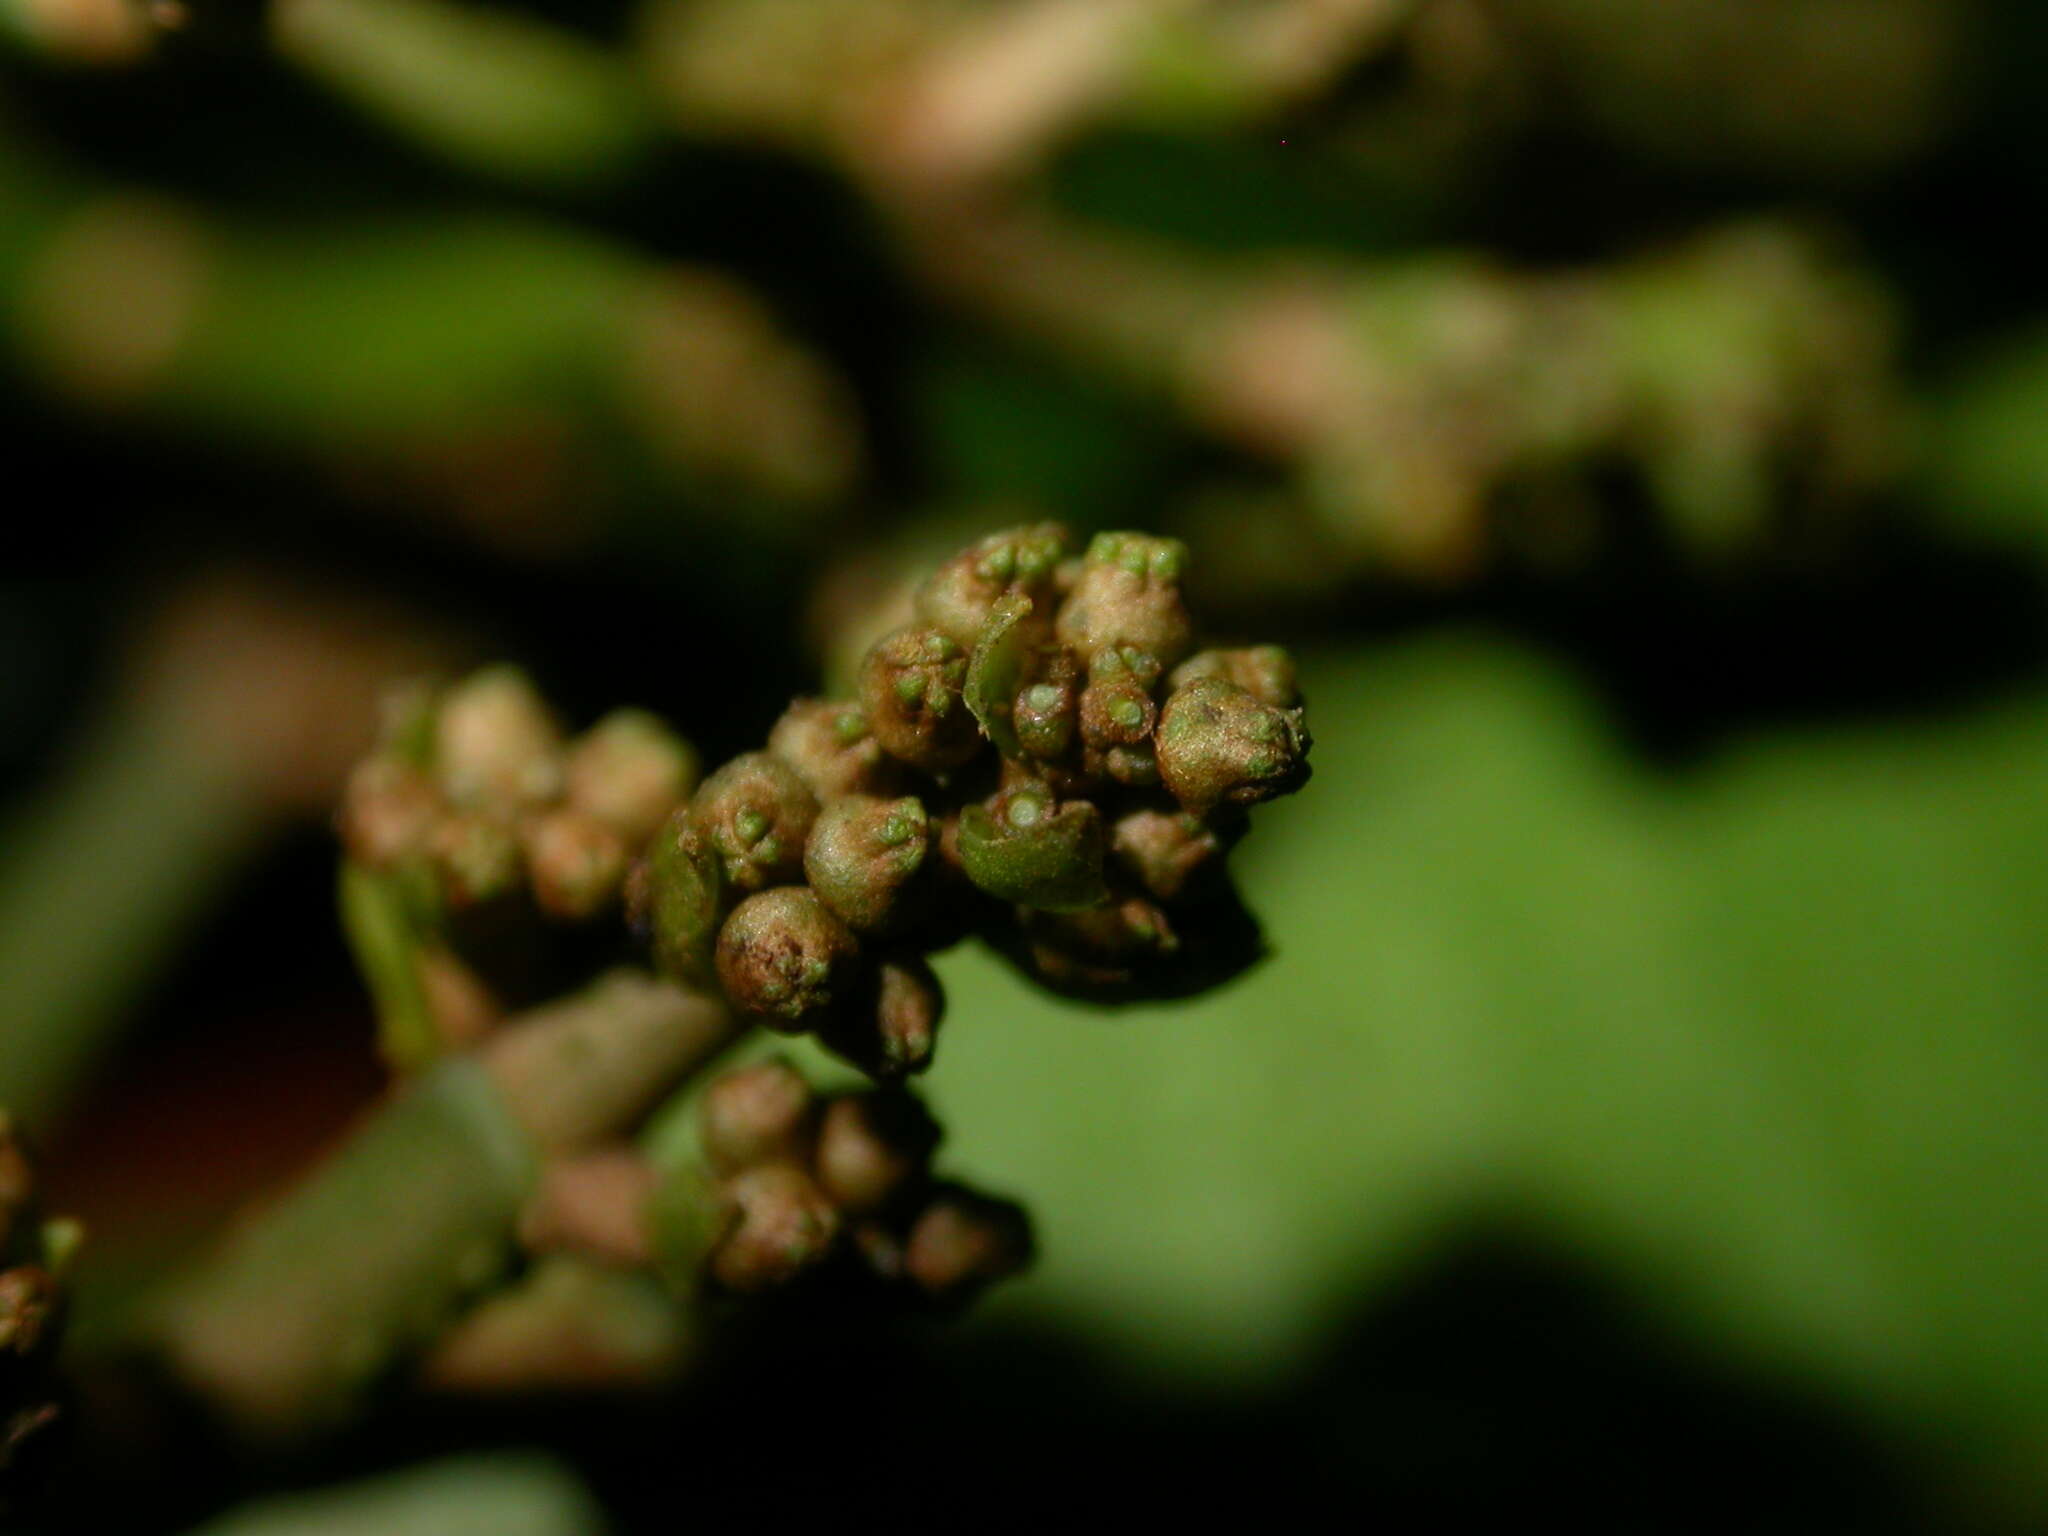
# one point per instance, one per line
(1768, 1040)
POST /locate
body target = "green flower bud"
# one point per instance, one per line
(1116, 708)
(957, 598)
(782, 1225)
(1106, 953)
(757, 1114)
(475, 860)
(1266, 672)
(829, 744)
(388, 812)
(1020, 848)
(891, 1029)
(757, 813)
(872, 1147)
(867, 860)
(630, 771)
(1046, 712)
(964, 1242)
(1218, 745)
(784, 958)
(680, 898)
(1171, 854)
(575, 863)
(496, 744)
(1129, 594)
(911, 686)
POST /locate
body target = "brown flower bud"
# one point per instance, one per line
(757, 1114)
(1047, 709)
(963, 1242)
(1106, 953)
(891, 1029)
(828, 743)
(475, 860)
(783, 957)
(29, 1303)
(782, 1225)
(1129, 594)
(496, 744)
(677, 895)
(1266, 672)
(956, 599)
(871, 1146)
(630, 771)
(17, 1184)
(388, 811)
(1171, 854)
(868, 860)
(1218, 745)
(911, 686)
(574, 863)
(757, 812)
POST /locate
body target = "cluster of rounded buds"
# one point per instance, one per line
(1040, 756)
(802, 1182)
(476, 796)
(34, 1255)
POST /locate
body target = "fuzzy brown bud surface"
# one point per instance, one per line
(757, 812)
(963, 1242)
(829, 744)
(1266, 672)
(575, 863)
(891, 1028)
(496, 743)
(630, 771)
(868, 860)
(958, 597)
(871, 1147)
(782, 1225)
(1129, 595)
(785, 959)
(756, 1114)
(910, 685)
(1219, 746)
(1171, 854)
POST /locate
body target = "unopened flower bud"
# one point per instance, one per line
(783, 1225)
(1266, 672)
(963, 1242)
(575, 863)
(757, 1114)
(1116, 706)
(783, 957)
(29, 1302)
(828, 743)
(388, 811)
(630, 771)
(1129, 594)
(1171, 854)
(865, 859)
(475, 859)
(496, 744)
(1047, 710)
(757, 813)
(957, 598)
(911, 684)
(1022, 848)
(871, 1146)
(1218, 745)
(891, 1028)
(682, 886)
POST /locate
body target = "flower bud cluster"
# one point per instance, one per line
(1041, 756)
(477, 799)
(802, 1182)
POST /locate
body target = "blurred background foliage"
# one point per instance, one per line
(1635, 416)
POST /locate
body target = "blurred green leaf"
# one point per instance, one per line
(1767, 1039)
(469, 1496)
